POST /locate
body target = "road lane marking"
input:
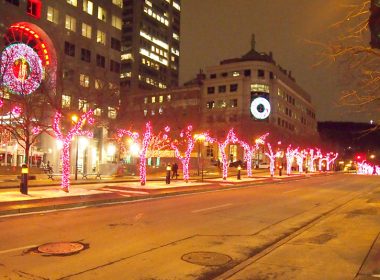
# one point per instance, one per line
(17, 249)
(291, 191)
(211, 208)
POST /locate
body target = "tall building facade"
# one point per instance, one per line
(79, 43)
(150, 44)
(255, 95)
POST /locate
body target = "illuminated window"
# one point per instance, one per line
(153, 99)
(127, 56)
(72, 2)
(118, 3)
(66, 101)
(160, 99)
(88, 7)
(102, 14)
(99, 84)
(176, 6)
(111, 113)
(100, 37)
(84, 80)
(116, 22)
(52, 14)
(33, 8)
(259, 88)
(233, 103)
(97, 112)
(168, 97)
(86, 30)
(176, 36)
(70, 23)
(210, 104)
(235, 74)
(83, 105)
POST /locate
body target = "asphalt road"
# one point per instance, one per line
(317, 228)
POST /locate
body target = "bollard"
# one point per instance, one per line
(24, 179)
(238, 174)
(280, 170)
(168, 171)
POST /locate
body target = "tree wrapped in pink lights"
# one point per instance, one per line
(313, 155)
(250, 150)
(144, 145)
(290, 155)
(272, 158)
(330, 158)
(187, 144)
(230, 138)
(300, 157)
(76, 130)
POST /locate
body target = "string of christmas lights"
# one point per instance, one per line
(189, 141)
(21, 68)
(66, 141)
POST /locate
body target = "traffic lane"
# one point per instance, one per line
(125, 230)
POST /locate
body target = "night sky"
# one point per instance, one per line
(213, 30)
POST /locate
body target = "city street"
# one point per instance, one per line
(317, 228)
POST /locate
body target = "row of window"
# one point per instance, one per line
(86, 31)
(85, 55)
(232, 103)
(247, 73)
(157, 99)
(84, 106)
(222, 88)
(285, 124)
(221, 118)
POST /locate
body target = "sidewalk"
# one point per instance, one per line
(45, 195)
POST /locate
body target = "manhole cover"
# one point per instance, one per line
(60, 248)
(206, 258)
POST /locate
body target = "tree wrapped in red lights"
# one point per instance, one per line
(186, 144)
(250, 150)
(76, 130)
(290, 155)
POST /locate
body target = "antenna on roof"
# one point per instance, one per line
(253, 42)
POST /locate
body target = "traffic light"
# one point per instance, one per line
(374, 24)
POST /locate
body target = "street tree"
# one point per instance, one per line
(359, 62)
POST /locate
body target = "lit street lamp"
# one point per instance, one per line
(200, 138)
(74, 119)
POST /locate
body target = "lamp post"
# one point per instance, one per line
(74, 119)
(200, 138)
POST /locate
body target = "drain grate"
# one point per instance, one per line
(61, 248)
(206, 258)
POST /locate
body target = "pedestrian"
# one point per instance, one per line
(49, 168)
(175, 170)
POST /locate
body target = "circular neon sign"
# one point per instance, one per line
(260, 108)
(21, 68)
